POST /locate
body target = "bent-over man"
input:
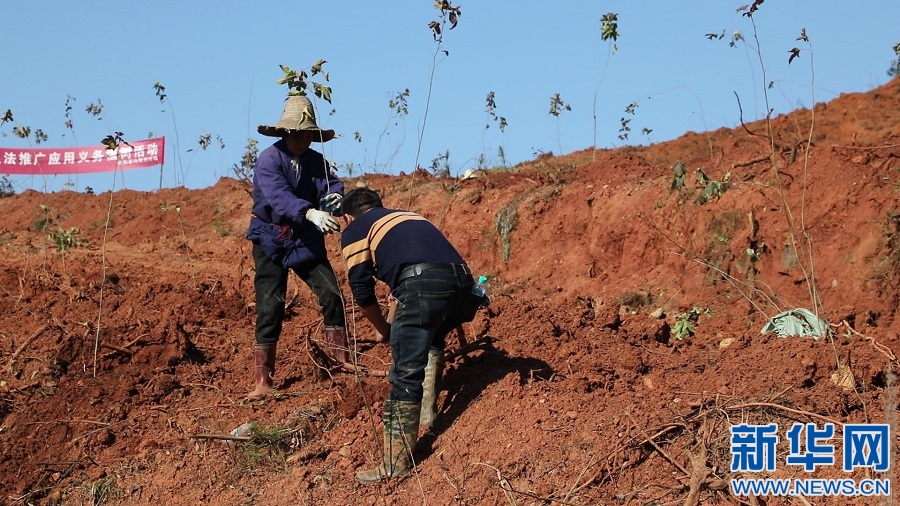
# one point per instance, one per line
(430, 282)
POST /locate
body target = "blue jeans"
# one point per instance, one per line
(270, 282)
(429, 307)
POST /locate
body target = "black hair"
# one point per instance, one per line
(360, 200)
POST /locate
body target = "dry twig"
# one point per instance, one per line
(783, 408)
(621, 447)
(113, 347)
(25, 344)
(510, 492)
(223, 437)
(358, 369)
(699, 470)
(478, 344)
(884, 350)
(656, 446)
(751, 162)
(889, 146)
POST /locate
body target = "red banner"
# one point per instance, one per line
(134, 155)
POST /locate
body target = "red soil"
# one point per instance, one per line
(583, 397)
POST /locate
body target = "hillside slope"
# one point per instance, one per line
(123, 349)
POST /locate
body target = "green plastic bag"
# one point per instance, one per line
(796, 322)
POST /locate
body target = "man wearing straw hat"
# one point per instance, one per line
(295, 201)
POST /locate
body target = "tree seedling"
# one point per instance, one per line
(66, 239)
(685, 322)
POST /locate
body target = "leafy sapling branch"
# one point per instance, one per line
(624, 129)
(795, 52)
(449, 14)
(25, 132)
(69, 124)
(801, 239)
(298, 82)
(755, 253)
(685, 323)
(679, 174)
(244, 170)
(735, 37)
(440, 165)
(609, 32)
(501, 154)
(398, 104)
(894, 68)
(113, 141)
(6, 187)
(95, 110)
(625, 122)
(160, 91)
(557, 106)
(490, 110)
(711, 188)
(67, 238)
(399, 108)
(748, 11)
(205, 140)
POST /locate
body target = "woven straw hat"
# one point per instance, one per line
(298, 115)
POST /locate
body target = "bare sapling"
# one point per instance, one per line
(490, 111)
(557, 106)
(160, 91)
(609, 32)
(399, 108)
(449, 15)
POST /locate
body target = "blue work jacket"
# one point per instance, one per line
(284, 188)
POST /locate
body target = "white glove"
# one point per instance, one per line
(323, 221)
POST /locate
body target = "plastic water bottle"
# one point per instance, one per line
(480, 290)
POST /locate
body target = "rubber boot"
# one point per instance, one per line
(338, 346)
(264, 357)
(431, 387)
(401, 429)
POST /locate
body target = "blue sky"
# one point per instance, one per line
(219, 62)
